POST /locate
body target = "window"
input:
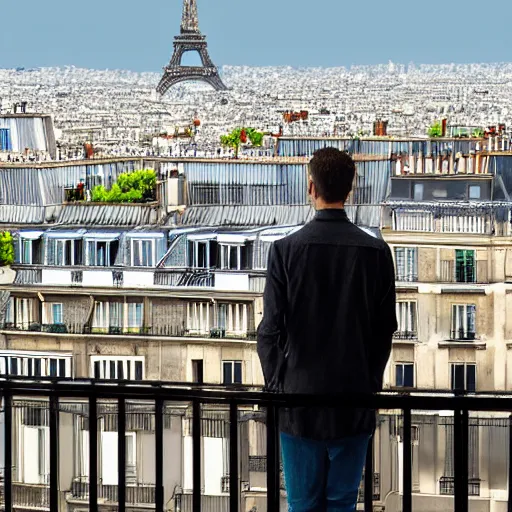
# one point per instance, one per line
(52, 313)
(143, 253)
(64, 253)
(234, 257)
(474, 192)
(465, 266)
(404, 375)
(20, 313)
(232, 372)
(232, 318)
(102, 253)
(117, 368)
(463, 377)
(198, 317)
(118, 317)
(463, 321)
(27, 364)
(407, 320)
(30, 251)
(418, 191)
(197, 371)
(406, 259)
(202, 253)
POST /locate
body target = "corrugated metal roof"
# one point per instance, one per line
(88, 214)
(282, 215)
(21, 214)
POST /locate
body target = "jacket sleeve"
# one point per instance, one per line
(385, 320)
(271, 331)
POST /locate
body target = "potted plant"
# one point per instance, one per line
(241, 136)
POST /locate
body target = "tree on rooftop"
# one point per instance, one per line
(132, 187)
(241, 136)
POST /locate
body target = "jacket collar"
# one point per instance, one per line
(331, 215)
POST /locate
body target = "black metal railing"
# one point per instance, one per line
(375, 488)
(232, 400)
(135, 495)
(405, 335)
(462, 335)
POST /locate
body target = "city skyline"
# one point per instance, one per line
(121, 36)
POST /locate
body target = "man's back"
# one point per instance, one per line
(331, 289)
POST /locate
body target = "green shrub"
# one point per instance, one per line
(133, 187)
(436, 130)
(6, 248)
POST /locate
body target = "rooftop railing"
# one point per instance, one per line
(233, 399)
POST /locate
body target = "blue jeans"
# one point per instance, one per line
(323, 475)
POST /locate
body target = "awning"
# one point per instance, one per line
(102, 235)
(141, 235)
(66, 235)
(31, 235)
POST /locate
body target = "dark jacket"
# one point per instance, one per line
(328, 321)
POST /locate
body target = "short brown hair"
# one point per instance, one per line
(332, 172)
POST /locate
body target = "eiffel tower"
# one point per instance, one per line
(190, 39)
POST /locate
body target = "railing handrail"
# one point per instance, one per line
(214, 393)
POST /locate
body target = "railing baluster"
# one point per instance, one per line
(93, 454)
(8, 451)
(196, 455)
(407, 464)
(159, 455)
(368, 478)
(234, 490)
(273, 459)
(54, 453)
(121, 454)
(460, 435)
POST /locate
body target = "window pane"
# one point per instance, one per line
(120, 370)
(238, 373)
(409, 375)
(57, 313)
(138, 370)
(37, 367)
(418, 191)
(53, 367)
(97, 371)
(458, 377)
(233, 258)
(474, 192)
(399, 375)
(227, 373)
(14, 366)
(471, 378)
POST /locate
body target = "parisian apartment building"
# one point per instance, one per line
(171, 290)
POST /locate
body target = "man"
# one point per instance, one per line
(329, 318)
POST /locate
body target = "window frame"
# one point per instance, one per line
(453, 376)
(141, 242)
(234, 364)
(456, 328)
(129, 365)
(411, 319)
(464, 253)
(410, 275)
(403, 364)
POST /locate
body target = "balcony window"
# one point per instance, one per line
(198, 317)
(118, 317)
(463, 322)
(117, 368)
(234, 257)
(465, 266)
(64, 253)
(20, 313)
(52, 313)
(143, 253)
(202, 253)
(232, 318)
(231, 372)
(463, 377)
(26, 364)
(418, 191)
(102, 253)
(407, 320)
(475, 192)
(30, 251)
(406, 259)
(404, 375)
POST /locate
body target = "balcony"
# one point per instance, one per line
(168, 331)
(134, 495)
(27, 496)
(233, 403)
(405, 336)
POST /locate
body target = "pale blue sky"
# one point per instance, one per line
(138, 35)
